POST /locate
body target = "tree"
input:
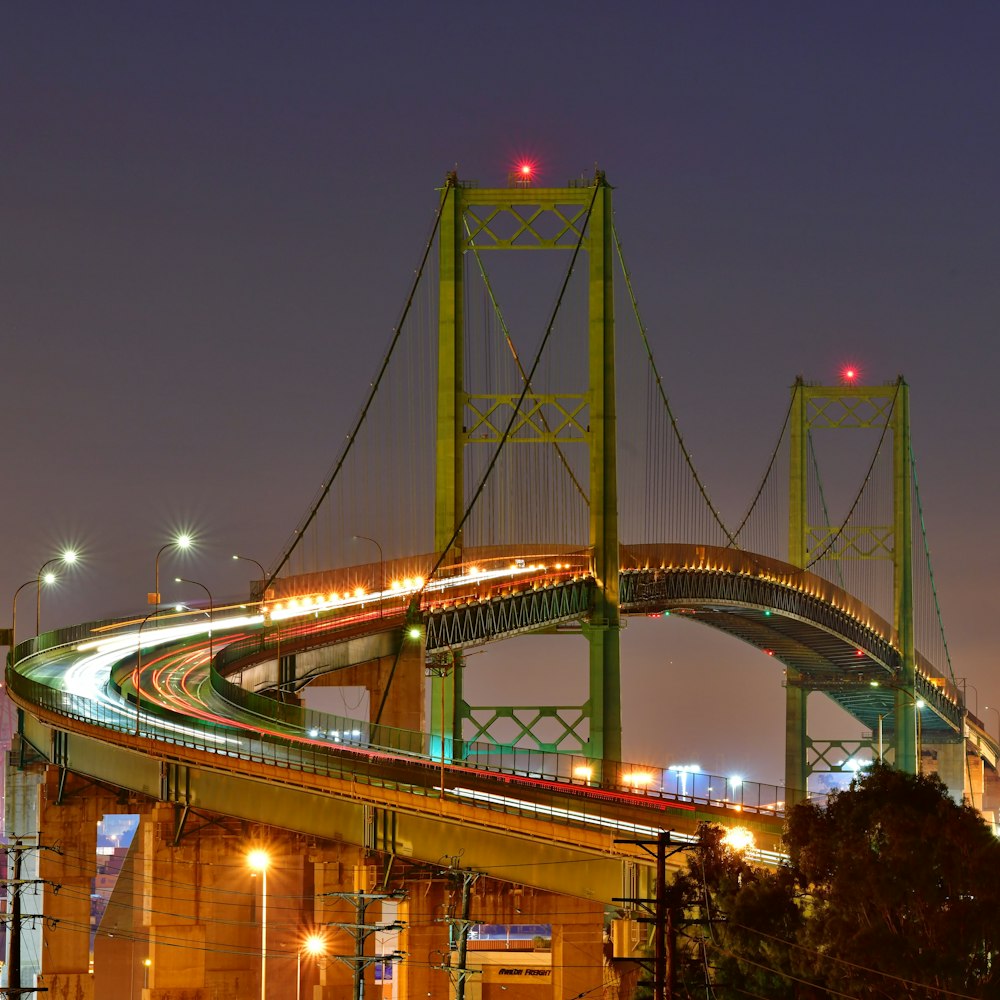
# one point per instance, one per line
(892, 891)
(903, 890)
(734, 913)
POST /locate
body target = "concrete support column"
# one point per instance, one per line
(577, 947)
(404, 699)
(425, 942)
(69, 824)
(203, 909)
(397, 680)
(951, 769)
(174, 902)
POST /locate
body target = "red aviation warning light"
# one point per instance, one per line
(850, 374)
(523, 174)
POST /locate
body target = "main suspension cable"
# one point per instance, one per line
(770, 466)
(663, 396)
(352, 437)
(517, 406)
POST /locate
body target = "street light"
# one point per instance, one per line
(13, 614)
(263, 574)
(67, 558)
(259, 861)
(137, 669)
(990, 708)
(965, 684)
(211, 609)
(313, 945)
(918, 704)
(182, 542)
(381, 569)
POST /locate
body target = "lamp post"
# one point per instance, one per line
(13, 614)
(277, 627)
(880, 745)
(381, 569)
(182, 542)
(975, 691)
(67, 558)
(263, 574)
(211, 608)
(313, 945)
(259, 861)
(918, 704)
(990, 708)
(137, 669)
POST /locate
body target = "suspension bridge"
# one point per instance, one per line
(516, 467)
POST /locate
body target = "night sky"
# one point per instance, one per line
(211, 214)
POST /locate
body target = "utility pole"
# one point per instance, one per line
(462, 925)
(14, 990)
(360, 930)
(663, 919)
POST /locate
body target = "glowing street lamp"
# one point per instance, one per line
(211, 608)
(259, 861)
(381, 572)
(68, 558)
(990, 708)
(263, 573)
(314, 946)
(182, 542)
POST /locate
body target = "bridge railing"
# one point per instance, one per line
(311, 737)
(671, 783)
(617, 809)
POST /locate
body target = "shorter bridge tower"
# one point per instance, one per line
(850, 407)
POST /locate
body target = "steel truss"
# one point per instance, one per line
(514, 614)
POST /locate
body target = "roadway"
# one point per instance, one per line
(183, 742)
(141, 715)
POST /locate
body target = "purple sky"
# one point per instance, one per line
(211, 213)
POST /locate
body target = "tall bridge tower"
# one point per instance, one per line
(572, 219)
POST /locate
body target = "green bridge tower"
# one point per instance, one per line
(525, 218)
(849, 407)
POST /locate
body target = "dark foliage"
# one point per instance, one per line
(892, 891)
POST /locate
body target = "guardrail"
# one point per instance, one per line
(336, 746)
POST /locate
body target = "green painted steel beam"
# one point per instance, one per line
(524, 218)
